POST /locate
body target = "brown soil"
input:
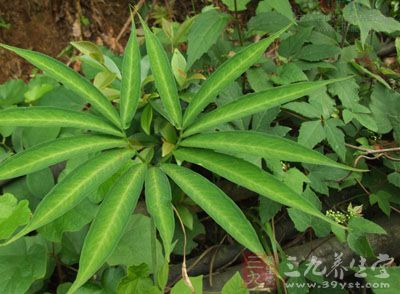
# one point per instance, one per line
(49, 25)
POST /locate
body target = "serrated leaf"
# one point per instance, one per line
(291, 45)
(137, 280)
(32, 136)
(311, 133)
(22, 263)
(380, 275)
(369, 19)
(253, 103)
(182, 288)
(318, 52)
(360, 225)
(72, 221)
(260, 145)
(131, 79)
(249, 176)
(229, 71)
(41, 182)
(159, 205)
(71, 79)
(267, 22)
(303, 221)
(49, 153)
(335, 137)
(132, 250)
(347, 91)
(394, 178)
(204, 32)
(12, 92)
(74, 188)
(288, 74)
(12, 214)
(163, 76)
(235, 285)
(360, 244)
(283, 7)
(216, 204)
(383, 199)
(110, 223)
(367, 72)
(303, 108)
(236, 5)
(42, 116)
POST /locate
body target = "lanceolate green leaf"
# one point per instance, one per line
(55, 117)
(159, 205)
(249, 176)
(254, 103)
(71, 79)
(225, 74)
(130, 88)
(262, 145)
(163, 76)
(216, 204)
(49, 153)
(74, 188)
(109, 224)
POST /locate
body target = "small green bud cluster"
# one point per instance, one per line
(344, 217)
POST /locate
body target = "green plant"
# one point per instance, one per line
(118, 155)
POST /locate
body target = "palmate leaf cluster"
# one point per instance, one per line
(107, 137)
(131, 145)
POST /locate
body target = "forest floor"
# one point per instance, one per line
(49, 25)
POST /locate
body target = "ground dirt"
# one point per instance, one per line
(49, 25)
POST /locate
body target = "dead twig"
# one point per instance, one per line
(185, 275)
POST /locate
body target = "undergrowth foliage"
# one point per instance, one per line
(129, 144)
